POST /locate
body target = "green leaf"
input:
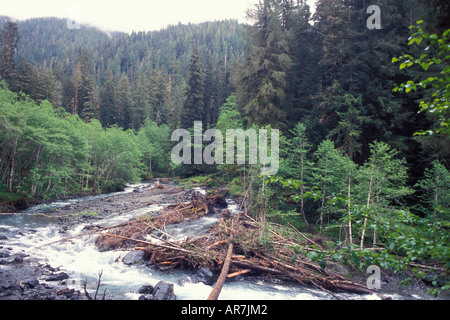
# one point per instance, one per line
(403, 66)
(314, 256)
(293, 258)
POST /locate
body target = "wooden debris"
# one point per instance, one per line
(245, 253)
(214, 295)
(238, 273)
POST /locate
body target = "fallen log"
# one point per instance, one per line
(238, 273)
(171, 247)
(214, 295)
(260, 269)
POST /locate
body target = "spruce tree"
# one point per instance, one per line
(124, 102)
(193, 109)
(141, 110)
(86, 101)
(108, 111)
(303, 75)
(9, 38)
(356, 61)
(261, 79)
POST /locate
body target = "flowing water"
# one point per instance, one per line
(37, 237)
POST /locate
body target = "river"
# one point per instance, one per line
(40, 238)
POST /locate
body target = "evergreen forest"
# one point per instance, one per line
(362, 113)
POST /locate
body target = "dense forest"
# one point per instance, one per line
(363, 116)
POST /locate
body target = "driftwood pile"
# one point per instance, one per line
(231, 247)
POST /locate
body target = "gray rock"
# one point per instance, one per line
(133, 257)
(32, 283)
(162, 291)
(4, 254)
(146, 289)
(14, 259)
(57, 277)
(204, 275)
(183, 280)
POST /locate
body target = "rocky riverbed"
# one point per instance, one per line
(25, 277)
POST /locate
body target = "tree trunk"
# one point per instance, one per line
(12, 165)
(214, 295)
(368, 206)
(350, 210)
(302, 188)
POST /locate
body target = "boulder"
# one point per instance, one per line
(162, 291)
(4, 254)
(220, 203)
(146, 289)
(31, 283)
(133, 257)
(14, 259)
(183, 280)
(57, 277)
(204, 275)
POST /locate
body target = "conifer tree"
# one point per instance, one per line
(382, 180)
(193, 109)
(141, 110)
(261, 79)
(108, 111)
(86, 100)
(354, 61)
(124, 102)
(9, 38)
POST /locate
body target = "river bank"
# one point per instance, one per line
(23, 276)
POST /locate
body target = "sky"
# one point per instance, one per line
(129, 15)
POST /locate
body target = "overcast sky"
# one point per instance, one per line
(129, 15)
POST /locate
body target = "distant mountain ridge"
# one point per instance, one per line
(49, 41)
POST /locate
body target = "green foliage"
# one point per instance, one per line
(193, 109)
(434, 60)
(262, 76)
(436, 189)
(48, 154)
(154, 142)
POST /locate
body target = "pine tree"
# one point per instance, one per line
(348, 130)
(261, 79)
(88, 101)
(297, 162)
(158, 96)
(9, 38)
(356, 61)
(436, 189)
(326, 175)
(302, 77)
(24, 79)
(210, 92)
(108, 111)
(141, 110)
(193, 109)
(124, 102)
